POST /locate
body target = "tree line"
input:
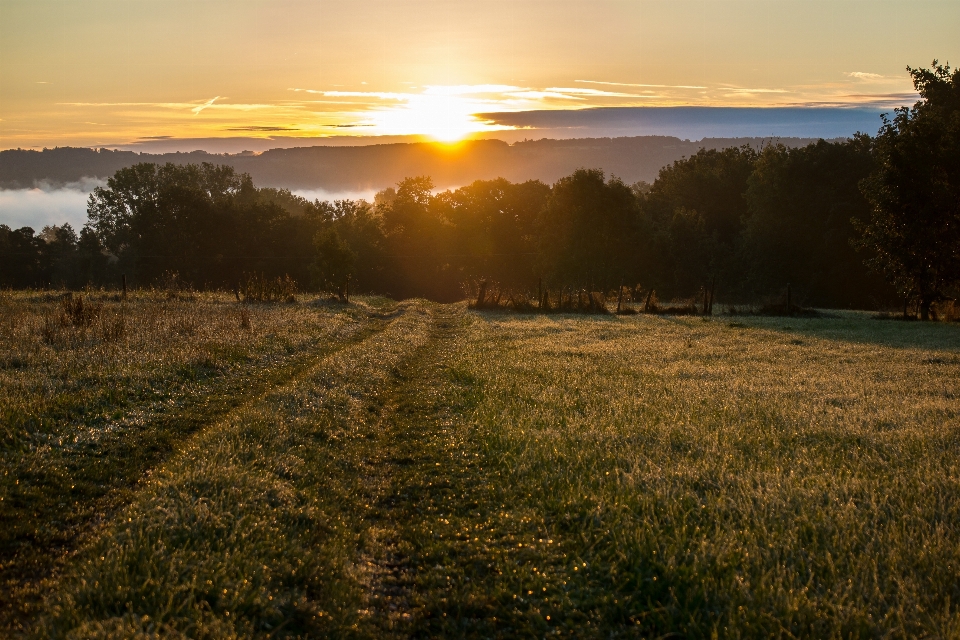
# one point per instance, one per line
(860, 223)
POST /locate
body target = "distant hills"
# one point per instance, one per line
(373, 167)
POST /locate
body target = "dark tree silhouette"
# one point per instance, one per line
(913, 230)
(801, 206)
(335, 262)
(587, 231)
(693, 216)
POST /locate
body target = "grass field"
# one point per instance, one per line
(408, 469)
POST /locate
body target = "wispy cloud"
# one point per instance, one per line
(380, 95)
(542, 95)
(654, 86)
(255, 128)
(596, 93)
(470, 89)
(863, 75)
(736, 90)
(209, 103)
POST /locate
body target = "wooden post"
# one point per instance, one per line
(123, 281)
(789, 306)
(713, 288)
(620, 297)
(540, 293)
(646, 305)
(482, 294)
(705, 301)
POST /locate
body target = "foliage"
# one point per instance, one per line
(335, 261)
(913, 230)
(206, 222)
(587, 231)
(693, 216)
(801, 206)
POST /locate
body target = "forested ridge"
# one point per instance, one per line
(373, 166)
(753, 220)
(860, 223)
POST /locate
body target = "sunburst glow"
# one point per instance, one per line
(446, 118)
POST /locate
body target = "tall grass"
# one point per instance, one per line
(459, 473)
(757, 480)
(95, 390)
(240, 535)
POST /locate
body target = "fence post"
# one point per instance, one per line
(620, 296)
(713, 288)
(482, 293)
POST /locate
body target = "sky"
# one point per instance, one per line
(136, 73)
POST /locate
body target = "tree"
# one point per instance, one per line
(205, 222)
(494, 227)
(913, 229)
(587, 231)
(801, 205)
(335, 262)
(694, 214)
(21, 258)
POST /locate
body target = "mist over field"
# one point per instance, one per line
(46, 205)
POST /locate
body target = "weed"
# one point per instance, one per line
(259, 288)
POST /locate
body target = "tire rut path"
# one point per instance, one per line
(408, 454)
(29, 565)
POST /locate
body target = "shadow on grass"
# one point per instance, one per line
(858, 327)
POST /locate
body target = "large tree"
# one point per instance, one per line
(693, 214)
(588, 232)
(801, 202)
(913, 230)
(205, 222)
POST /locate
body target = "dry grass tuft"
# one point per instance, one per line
(259, 288)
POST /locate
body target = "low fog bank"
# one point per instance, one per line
(331, 196)
(47, 204)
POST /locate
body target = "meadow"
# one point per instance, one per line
(177, 464)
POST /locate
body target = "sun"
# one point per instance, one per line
(445, 118)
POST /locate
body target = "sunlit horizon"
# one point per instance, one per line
(258, 70)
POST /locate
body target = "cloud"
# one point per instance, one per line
(470, 89)
(655, 86)
(543, 95)
(255, 128)
(863, 75)
(209, 103)
(380, 95)
(693, 122)
(596, 93)
(736, 90)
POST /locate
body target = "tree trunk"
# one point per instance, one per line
(481, 294)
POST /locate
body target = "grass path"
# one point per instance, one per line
(458, 474)
(64, 494)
